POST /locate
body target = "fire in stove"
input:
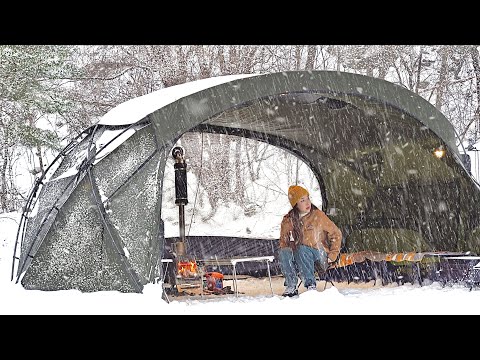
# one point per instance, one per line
(187, 269)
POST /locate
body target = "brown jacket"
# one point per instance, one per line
(318, 230)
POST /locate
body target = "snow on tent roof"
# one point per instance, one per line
(137, 108)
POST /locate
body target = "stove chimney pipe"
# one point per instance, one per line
(181, 198)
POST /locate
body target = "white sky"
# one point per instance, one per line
(404, 299)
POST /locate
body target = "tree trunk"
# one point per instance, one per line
(444, 53)
(311, 55)
(3, 165)
(221, 61)
(419, 70)
(239, 185)
(298, 56)
(476, 66)
(3, 184)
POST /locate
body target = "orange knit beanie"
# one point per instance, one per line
(295, 192)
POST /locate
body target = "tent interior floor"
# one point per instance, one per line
(255, 286)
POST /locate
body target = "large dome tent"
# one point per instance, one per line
(94, 221)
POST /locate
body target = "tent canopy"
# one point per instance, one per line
(95, 221)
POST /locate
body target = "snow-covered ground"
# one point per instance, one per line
(405, 299)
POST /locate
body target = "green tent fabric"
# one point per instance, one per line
(94, 222)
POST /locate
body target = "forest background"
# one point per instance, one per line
(51, 93)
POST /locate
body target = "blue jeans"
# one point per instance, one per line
(305, 257)
(288, 265)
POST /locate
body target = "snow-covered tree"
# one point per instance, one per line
(31, 102)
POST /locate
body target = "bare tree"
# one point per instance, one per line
(475, 119)
(311, 57)
(444, 54)
(476, 66)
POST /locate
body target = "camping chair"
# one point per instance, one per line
(323, 273)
